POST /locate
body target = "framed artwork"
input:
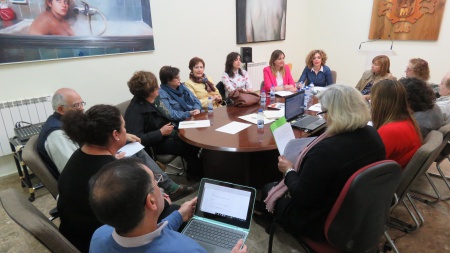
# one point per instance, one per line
(260, 20)
(40, 30)
(406, 19)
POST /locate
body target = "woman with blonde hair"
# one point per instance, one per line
(314, 181)
(379, 71)
(278, 74)
(396, 125)
(418, 68)
(316, 71)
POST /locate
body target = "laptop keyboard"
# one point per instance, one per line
(305, 121)
(212, 234)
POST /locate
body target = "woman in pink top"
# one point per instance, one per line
(278, 74)
(394, 121)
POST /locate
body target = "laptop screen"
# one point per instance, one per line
(294, 105)
(225, 202)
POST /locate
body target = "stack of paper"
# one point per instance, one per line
(252, 118)
(194, 124)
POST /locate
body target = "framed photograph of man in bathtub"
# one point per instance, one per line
(260, 20)
(59, 29)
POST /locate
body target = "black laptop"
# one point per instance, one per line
(295, 113)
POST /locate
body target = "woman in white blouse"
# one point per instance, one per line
(234, 77)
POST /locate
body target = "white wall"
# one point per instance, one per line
(205, 28)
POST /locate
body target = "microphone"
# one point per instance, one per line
(392, 42)
(368, 41)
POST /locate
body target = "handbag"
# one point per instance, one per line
(242, 98)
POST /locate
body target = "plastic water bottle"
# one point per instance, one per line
(307, 97)
(260, 119)
(263, 98)
(311, 89)
(210, 105)
(272, 92)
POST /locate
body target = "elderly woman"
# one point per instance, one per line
(234, 77)
(380, 71)
(316, 178)
(316, 71)
(395, 123)
(200, 85)
(418, 68)
(421, 100)
(150, 119)
(102, 130)
(278, 74)
(180, 102)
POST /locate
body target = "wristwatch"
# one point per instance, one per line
(288, 170)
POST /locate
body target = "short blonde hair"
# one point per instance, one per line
(346, 108)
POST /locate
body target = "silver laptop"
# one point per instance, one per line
(223, 215)
(294, 111)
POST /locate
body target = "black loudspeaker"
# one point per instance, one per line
(246, 54)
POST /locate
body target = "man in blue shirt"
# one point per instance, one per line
(132, 209)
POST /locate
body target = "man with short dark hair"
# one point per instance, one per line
(132, 209)
(55, 148)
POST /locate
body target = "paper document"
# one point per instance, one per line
(252, 118)
(283, 93)
(276, 106)
(284, 137)
(315, 108)
(194, 124)
(233, 127)
(319, 89)
(131, 148)
(272, 114)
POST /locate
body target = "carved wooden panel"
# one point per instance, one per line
(406, 19)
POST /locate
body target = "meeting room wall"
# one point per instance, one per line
(205, 28)
(182, 29)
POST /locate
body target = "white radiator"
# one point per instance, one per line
(255, 73)
(31, 110)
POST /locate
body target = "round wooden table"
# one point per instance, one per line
(249, 157)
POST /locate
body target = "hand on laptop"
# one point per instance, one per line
(187, 209)
(237, 247)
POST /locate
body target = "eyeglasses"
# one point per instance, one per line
(158, 179)
(322, 112)
(177, 77)
(77, 105)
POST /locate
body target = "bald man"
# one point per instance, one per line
(55, 148)
(444, 100)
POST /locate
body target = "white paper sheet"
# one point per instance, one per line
(131, 148)
(233, 127)
(252, 118)
(283, 93)
(274, 114)
(282, 136)
(315, 108)
(194, 124)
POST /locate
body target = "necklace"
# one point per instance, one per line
(96, 150)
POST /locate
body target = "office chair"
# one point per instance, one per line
(33, 161)
(418, 166)
(334, 76)
(221, 88)
(32, 220)
(163, 159)
(358, 217)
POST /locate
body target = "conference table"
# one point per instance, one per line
(249, 157)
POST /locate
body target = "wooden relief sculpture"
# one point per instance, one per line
(406, 19)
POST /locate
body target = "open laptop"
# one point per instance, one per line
(223, 215)
(294, 112)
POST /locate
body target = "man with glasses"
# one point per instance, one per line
(137, 228)
(55, 148)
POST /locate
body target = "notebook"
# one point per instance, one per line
(294, 112)
(223, 215)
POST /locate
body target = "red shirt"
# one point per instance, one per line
(400, 140)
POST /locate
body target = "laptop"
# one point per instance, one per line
(294, 112)
(223, 215)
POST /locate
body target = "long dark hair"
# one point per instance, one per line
(231, 57)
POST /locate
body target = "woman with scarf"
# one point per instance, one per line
(201, 85)
(179, 101)
(312, 183)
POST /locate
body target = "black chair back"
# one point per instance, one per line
(359, 215)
